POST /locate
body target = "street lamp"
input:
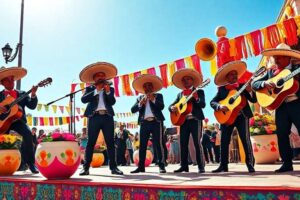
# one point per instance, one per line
(7, 50)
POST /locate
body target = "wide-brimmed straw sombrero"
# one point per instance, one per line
(178, 75)
(16, 72)
(239, 66)
(282, 50)
(86, 75)
(139, 81)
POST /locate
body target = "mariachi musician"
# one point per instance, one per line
(288, 111)
(187, 80)
(227, 79)
(8, 76)
(100, 100)
(150, 106)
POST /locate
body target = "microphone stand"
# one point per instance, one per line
(72, 128)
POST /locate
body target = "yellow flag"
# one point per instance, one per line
(171, 71)
(54, 107)
(29, 120)
(82, 85)
(39, 107)
(189, 62)
(282, 32)
(84, 121)
(56, 121)
(68, 109)
(64, 120)
(46, 121)
(144, 71)
(232, 48)
(213, 67)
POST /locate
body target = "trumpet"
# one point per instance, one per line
(106, 82)
(206, 49)
(146, 97)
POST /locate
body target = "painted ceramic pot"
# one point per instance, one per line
(57, 160)
(98, 160)
(10, 160)
(265, 148)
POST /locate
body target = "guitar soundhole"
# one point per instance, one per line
(180, 106)
(231, 100)
(277, 90)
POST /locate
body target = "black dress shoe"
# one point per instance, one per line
(201, 170)
(162, 170)
(23, 167)
(285, 168)
(84, 172)
(182, 169)
(221, 168)
(250, 169)
(33, 169)
(116, 171)
(138, 170)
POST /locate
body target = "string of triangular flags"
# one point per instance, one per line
(52, 121)
(166, 72)
(129, 125)
(79, 111)
(241, 47)
(253, 43)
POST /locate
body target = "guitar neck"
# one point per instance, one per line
(242, 89)
(19, 98)
(291, 75)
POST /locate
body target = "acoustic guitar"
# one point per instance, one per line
(184, 106)
(234, 102)
(14, 111)
(285, 86)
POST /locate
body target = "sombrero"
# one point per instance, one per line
(178, 75)
(239, 66)
(86, 75)
(16, 72)
(139, 81)
(282, 50)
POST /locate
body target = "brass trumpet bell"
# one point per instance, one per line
(206, 49)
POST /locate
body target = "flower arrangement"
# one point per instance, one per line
(99, 148)
(9, 141)
(58, 136)
(262, 124)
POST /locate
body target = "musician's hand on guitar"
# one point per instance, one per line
(174, 109)
(249, 88)
(33, 91)
(223, 108)
(195, 95)
(2, 110)
(269, 85)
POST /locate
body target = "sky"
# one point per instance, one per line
(61, 37)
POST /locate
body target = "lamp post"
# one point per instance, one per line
(7, 50)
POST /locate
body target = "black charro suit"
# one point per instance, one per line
(21, 127)
(286, 114)
(155, 127)
(97, 122)
(241, 123)
(192, 126)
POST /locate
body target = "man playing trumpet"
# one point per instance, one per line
(149, 106)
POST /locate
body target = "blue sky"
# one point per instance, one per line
(61, 37)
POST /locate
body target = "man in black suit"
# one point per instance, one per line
(120, 140)
(288, 112)
(8, 76)
(100, 99)
(149, 106)
(188, 80)
(227, 80)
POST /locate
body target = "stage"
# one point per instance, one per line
(101, 184)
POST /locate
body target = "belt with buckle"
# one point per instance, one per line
(189, 117)
(150, 119)
(101, 112)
